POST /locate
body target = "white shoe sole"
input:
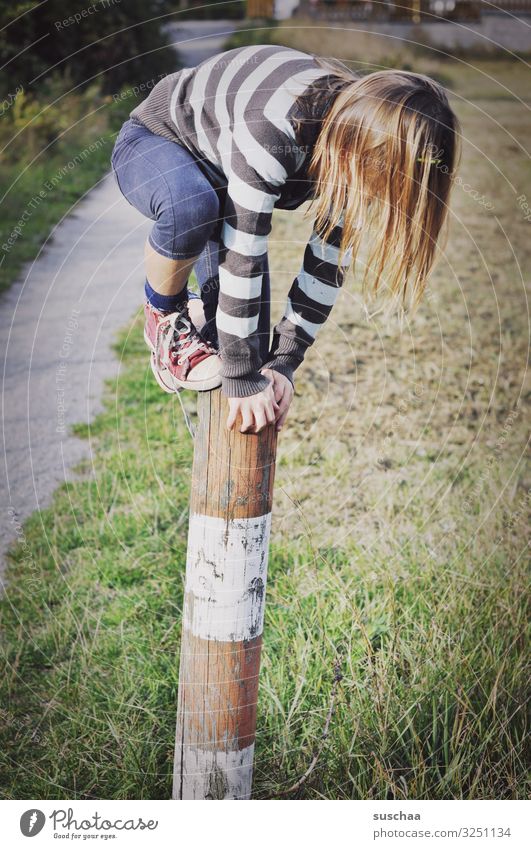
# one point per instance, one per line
(174, 384)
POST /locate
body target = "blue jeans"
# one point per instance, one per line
(163, 180)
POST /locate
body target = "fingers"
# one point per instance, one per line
(272, 408)
(259, 420)
(271, 412)
(283, 410)
(282, 418)
(278, 390)
(263, 416)
(234, 408)
(282, 400)
(257, 411)
(247, 418)
(284, 405)
(241, 406)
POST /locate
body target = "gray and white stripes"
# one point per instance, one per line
(238, 111)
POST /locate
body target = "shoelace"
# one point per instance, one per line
(169, 328)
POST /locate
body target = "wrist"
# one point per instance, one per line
(283, 368)
(242, 387)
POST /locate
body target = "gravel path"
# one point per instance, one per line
(197, 40)
(57, 324)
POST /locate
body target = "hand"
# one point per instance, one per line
(283, 391)
(257, 411)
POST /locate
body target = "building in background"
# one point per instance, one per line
(261, 9)
(415, 11)
(285, 8)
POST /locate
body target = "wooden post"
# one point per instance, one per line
(223, 611)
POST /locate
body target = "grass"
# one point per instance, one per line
(54, 148)
(398, 548)
(430, 645)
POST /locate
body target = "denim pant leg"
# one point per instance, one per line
(164, 182)
(207, 273)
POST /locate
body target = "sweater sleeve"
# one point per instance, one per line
(251, 195)
(310, 301)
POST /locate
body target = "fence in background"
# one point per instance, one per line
(415, 11)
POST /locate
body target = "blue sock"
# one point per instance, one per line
(165, 303)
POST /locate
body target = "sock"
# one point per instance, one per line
(165, 303)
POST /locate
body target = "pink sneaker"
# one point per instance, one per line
(180, 357)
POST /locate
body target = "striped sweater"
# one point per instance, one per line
(251, 117)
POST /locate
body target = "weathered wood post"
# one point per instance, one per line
(223, 612)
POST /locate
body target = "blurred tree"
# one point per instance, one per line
(215, 10)
(113, 41)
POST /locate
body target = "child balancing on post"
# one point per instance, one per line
(215, 149)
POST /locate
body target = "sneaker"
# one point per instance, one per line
(180, 357)
(207, 330)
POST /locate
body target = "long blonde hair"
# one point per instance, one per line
(383, 164)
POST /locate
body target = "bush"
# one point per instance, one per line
(218, 10)
(47, 134)
(252, 33)
(111, 41)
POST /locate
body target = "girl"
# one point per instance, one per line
(214, 149)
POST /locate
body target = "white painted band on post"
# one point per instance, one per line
(216, 775)
(226, 573)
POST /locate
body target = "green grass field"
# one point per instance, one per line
(398, 552)
(55, 147)
(430, 647)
